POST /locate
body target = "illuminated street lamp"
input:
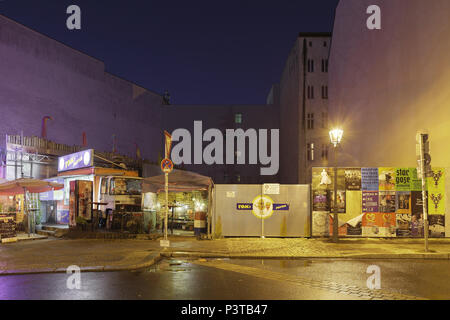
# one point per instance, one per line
(335, 137)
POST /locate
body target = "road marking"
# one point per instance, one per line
(355, 291)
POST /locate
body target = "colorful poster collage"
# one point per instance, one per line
(378, 202)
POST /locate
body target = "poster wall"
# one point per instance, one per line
(379, 202)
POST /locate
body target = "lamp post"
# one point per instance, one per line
(335, 137)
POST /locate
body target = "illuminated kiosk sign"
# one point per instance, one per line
(82, 159)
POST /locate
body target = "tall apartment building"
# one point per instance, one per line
(303, 103)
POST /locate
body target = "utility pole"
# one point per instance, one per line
(424, 171)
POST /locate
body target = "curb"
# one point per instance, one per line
(399, 256)
(148, 264)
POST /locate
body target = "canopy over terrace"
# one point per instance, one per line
(182, 181)
(179, 181)
(19, 186)
(24, 185)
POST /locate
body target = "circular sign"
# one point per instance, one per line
(262, 207)
(166, 165)
(61, 164)
(87, 158)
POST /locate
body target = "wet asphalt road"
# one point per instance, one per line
(241, 280)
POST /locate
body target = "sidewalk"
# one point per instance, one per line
(55, 255)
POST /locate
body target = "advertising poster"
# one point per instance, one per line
(353, 206)
(386, 178)
(72, 204)
(417, 225)
(403, 179)
(403, 203)
(340, 201)
(342, 229)
(436, 192)
(322, 178)
(388, 220)
(62, 216)
(437, 226)
(371, 224)
(369, 179)
(320, 224)
(370, 201)
(321, 200)
(387, 201)
(352, 179)
(85, 199)
(416, 202)
(403, 225)
(416, 183)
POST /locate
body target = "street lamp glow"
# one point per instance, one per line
(336, 136)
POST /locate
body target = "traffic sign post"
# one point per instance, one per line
(424, 171)
(166, 167)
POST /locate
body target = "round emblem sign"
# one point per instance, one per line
(262, 207)
(167, 165)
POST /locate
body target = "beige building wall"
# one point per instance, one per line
(387, 84)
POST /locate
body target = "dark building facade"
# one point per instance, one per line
(50, 90)
(43, 78)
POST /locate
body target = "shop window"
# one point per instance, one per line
(104, 186)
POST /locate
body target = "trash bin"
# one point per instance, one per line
(199, 223)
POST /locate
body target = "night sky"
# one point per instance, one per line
(203, 52)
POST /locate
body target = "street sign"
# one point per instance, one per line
(167, 165)
(271, 188)
(164, 243)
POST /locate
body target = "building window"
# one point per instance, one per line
(310, 65)
(324, 92)
(310, 151)
(324, 65)
(310, 92)
(238, 178)
(310, 121)
(310, 43)
(325, 44)
(324, 152)
(324, 120)
(238, 118)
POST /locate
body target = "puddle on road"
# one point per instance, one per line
(170, 265)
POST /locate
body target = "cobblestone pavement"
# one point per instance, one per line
(342, 289)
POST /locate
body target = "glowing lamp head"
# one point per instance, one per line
(336, 136)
